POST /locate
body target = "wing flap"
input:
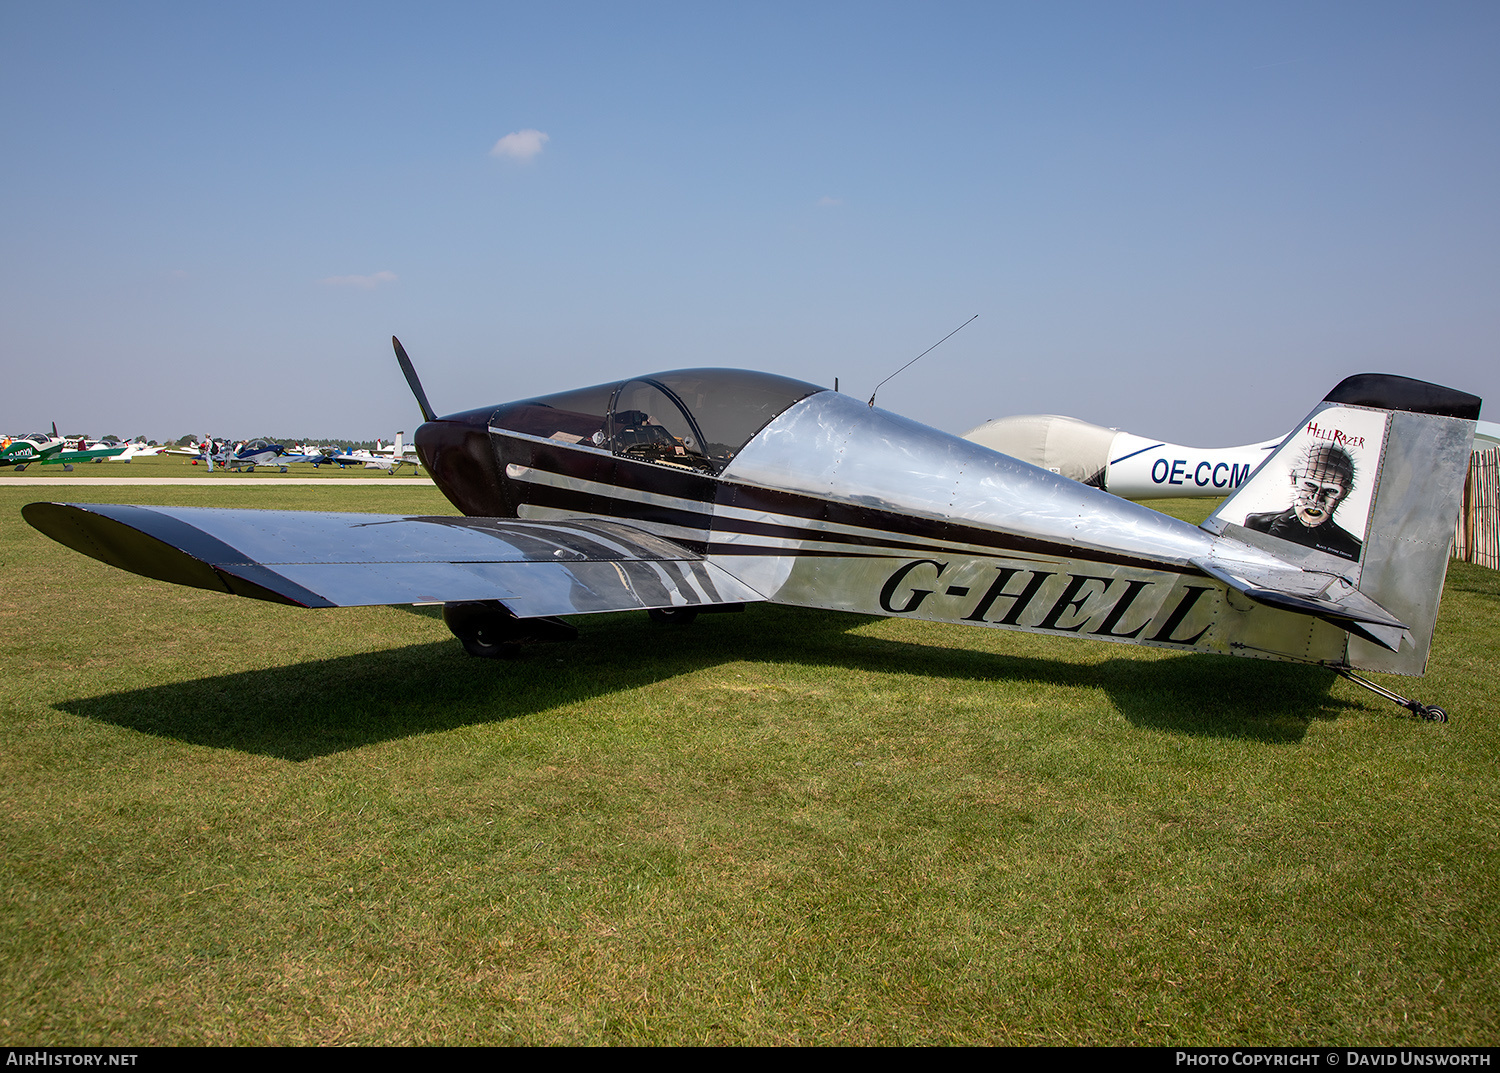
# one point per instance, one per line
(316, 559)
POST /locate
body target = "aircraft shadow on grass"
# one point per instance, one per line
(322, 707)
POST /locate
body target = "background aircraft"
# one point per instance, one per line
(1134, 467)
(49, 450)
(33, 447)
(263, 453)
(391, 457)
(137, 449)
(247, 455)
(1129, 466)
(705, 489)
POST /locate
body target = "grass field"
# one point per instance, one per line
(232, 822)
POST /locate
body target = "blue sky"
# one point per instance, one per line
(1188, 220)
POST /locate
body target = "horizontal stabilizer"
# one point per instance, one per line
(1327, 596)
(314, 559)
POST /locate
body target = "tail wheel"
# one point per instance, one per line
(673, 616)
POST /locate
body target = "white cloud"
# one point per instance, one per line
(826, 202)
(364, 283)
(520, 145)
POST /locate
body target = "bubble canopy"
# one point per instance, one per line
(697, 419)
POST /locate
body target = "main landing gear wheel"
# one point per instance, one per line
(673, 616)
(488, 629)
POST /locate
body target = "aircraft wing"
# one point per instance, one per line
(64, 457)
(313, 559)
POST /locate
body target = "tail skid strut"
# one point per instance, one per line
(1429, 712)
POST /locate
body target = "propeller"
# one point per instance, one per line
(411, 379)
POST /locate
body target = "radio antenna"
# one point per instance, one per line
(924, 353)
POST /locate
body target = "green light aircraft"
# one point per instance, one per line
(48, 450)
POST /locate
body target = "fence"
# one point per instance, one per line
(1477, 538)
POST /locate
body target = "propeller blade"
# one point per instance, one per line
(428, 413)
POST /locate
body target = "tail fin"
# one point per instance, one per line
(1367, 488)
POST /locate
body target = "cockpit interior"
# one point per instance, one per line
(694, 419)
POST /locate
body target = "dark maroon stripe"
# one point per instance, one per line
(908, 531)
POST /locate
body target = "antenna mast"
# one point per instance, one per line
(924, 353)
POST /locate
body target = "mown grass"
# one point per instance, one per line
(232, 822)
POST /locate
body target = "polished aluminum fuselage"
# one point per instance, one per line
(838, 505)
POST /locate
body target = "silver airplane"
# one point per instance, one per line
(708, 489)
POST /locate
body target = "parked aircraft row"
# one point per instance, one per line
(245, 456)
(42, 448)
